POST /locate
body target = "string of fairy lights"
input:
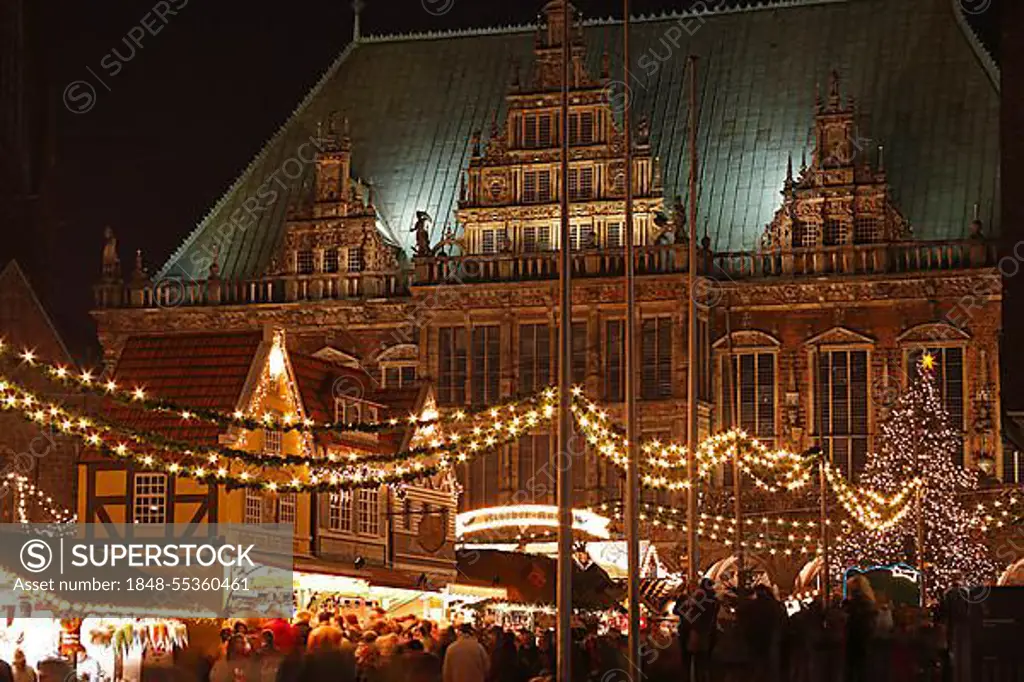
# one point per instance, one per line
(444, 440)
(28, 492)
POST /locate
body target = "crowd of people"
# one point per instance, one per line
(715, 636)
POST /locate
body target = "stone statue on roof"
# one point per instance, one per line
(111, 261)
(423, 249)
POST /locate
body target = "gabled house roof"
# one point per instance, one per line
(923, 87)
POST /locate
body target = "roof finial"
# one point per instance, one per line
(357, 9)
(789, 169)
(976, 210)
(881, 159)
(803, 161)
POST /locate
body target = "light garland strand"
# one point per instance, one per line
(29, 492)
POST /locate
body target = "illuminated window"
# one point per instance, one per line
(339, 512)
(355, 259)
(150, 498)
(367, 512)
(581, 234)
(286, 503)
(253, 506)
(537, 130)
(304, 261)
(841, 408)
(331, 260)
(581, 183)
(581, 128)
(536, 186)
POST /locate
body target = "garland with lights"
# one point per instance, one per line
(918, 442)
(90, 383)
(534, 410)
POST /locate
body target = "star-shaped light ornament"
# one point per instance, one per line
(928, 362)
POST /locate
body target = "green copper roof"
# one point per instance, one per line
(923, 89)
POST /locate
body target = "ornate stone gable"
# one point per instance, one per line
(840, 199)
(510, 192)
(335, 232)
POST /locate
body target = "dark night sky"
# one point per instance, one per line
(188, 112)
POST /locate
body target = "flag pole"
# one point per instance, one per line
(564, 483)
(632, 467)
(691, 372)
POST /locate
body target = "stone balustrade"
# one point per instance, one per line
(667, 259)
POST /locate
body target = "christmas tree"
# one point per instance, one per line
(917, 440)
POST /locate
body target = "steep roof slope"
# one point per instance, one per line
(413, 102)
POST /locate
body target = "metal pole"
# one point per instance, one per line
(737, 481)
(632, 467)
(920, 546)
(691, 372)
(564, 582)
(826, 578)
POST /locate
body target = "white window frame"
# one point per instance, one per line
(253, 506)
(273, 442)
(368, 511)
(287, 506)
(339, 511)
(149, 497)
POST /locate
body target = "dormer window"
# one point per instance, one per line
(272, 442)
(398, 376)
(835, 232)
(536, 186)
(351, 411)
(867, 230)
(304, 262)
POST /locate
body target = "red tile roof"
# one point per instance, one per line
(196, 370)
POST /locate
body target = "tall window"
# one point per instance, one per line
(286, 508)
(253, 506)
(485, 477)
(841, 408)
(579, 353)
(615, 360)
(451, 375)
(331, 260)
(614, 236)
(537, 132)
(339, 511)
(748, 398)
(536, 238)
(150, 497)
(581, 183)
(656, 372)
(581, 128)
(486, 357)
(304, 261)
(367, 512)
(536, 186)
(949, 379)
(534, 358)
(355, 259)
(537, 472)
